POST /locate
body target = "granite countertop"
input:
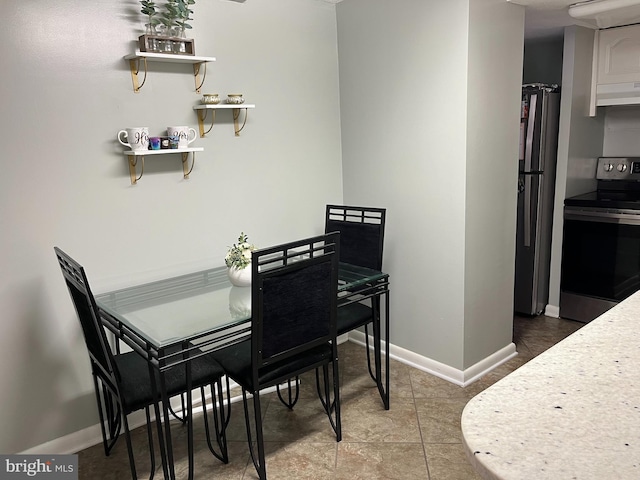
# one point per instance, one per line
(573, 412)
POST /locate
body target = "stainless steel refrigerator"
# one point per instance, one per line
(536, 185)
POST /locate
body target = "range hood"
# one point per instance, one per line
(618, 94)
(607, 13)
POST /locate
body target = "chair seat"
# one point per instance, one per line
(353, 316)
(135, 385)
(236, 361)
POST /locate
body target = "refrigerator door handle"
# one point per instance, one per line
(527, 211)
(531, 124)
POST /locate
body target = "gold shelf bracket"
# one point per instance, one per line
(236, 115)
(196, 74)
(202, 116)
(134, 65)
(185, 164)
(133, 161)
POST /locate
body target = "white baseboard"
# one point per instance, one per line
(453, 375)
(90, 436)
(552, 311)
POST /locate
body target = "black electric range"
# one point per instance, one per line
(601, 242)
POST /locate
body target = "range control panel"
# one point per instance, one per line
(618, 168)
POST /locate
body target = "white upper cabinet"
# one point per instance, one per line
(619, 55)
(616, 67)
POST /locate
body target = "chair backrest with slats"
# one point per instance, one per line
(361, 233)
(87, 310)
(294, 298)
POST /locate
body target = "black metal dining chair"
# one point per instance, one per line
(361, 243)
(293, 328)
(123, 382)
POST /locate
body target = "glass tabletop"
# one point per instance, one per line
(179, 308)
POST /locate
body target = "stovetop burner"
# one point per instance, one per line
(618, 186)
(629, 200)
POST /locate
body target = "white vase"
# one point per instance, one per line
(240, 303)
(240, 277)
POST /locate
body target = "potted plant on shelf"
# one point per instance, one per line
(184, 15)
(238, 261)
(149, 9)
(170, 20)
(168, 17)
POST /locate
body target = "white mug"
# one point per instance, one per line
(136, 138)
(186, 135)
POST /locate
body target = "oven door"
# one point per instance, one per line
(600, 260)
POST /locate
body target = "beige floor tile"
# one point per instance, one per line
(448, 461)
(307, 422)
(301, 461)
(381, 461)
(424, 419)
(439, 419)
(425, 385)
(453, 471)
(366, 420)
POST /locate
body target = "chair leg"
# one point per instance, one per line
(127, 437)
(374, 376)
(182, 419)
(219, 421)
(336, 398)
(221, 425)
(376, 338)
(292, 400)
(152, 455)
(324, 399)
(228, 410)
(259, 462)
(105, 442)
(113, 416)
(113, 420)
(328, 405)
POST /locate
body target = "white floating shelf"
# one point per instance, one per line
(162, 151)
(167, 57)
(223, 105)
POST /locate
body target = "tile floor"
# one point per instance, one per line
(418, 438)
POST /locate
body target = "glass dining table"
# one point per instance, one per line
(174, 320)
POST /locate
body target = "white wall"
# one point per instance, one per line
(423, 137)
(621, 131)
(493, 119)
(580, 141)
(65, 93)
(403, 108)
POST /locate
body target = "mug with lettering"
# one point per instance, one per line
(136, 138)
(186, 135)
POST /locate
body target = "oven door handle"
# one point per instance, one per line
(622, 218)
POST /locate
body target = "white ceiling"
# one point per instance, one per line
(546, 18)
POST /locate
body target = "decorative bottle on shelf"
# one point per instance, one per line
(165, 45)
(152, 43)
(179, 45)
